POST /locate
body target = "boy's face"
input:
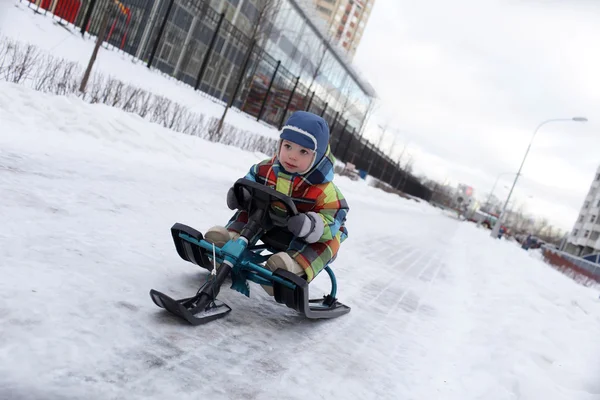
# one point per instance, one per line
(295, 158)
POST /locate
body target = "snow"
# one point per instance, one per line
(439, 309)
(67, 43)
(536, 253)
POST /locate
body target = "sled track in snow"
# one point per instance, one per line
(396, 300)
(397, 318)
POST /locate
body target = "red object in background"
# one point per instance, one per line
(127, 12)
(568, 268)
(65, 9)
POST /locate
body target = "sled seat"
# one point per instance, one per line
(188, 251)
(278, 239)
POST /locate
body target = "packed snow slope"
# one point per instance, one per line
(89, 193)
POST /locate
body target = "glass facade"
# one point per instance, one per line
(301, 48)
(310, 74)
(291, 38)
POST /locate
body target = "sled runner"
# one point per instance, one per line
(243, 260)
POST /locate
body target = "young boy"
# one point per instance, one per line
(302, 169)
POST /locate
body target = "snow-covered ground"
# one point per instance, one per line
(439, 310)
(18, 21)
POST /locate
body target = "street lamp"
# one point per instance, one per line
(498, 223)
(487, 203)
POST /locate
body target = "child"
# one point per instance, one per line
(302, 169)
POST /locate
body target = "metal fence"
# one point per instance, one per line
(572, 264)
(191, 42)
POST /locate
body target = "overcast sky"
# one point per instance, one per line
(466, 82)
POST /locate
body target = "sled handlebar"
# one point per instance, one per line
(262, 196)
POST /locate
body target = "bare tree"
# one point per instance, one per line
(320, 67)
(108, 11)
(348, 103)
(520, 219)
(262, 27)
(541, 225)
(219, 125)
(409, 164)
(551, 235)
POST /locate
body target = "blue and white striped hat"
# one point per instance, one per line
(307, 130)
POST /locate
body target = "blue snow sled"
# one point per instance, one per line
(243, 260)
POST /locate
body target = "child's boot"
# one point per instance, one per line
(284, 261)
(219, 235)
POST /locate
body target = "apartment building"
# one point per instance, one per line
(584, 239)
(346, 20)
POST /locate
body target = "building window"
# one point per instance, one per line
(593, 218)
(575, 232)
(598, 204)
(586, 205)
(324, 10)
(598, 177)
(581, 218)
(586, 234)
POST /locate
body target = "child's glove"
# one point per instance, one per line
(232, 200)
(308, 227)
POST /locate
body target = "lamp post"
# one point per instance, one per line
(487, 203)
(498, 223)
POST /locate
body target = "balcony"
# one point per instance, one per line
(589, 226)
(592, 240)
(580, 240)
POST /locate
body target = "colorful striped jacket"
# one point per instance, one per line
(326, 200)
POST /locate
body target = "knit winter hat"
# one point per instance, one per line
(307, 130)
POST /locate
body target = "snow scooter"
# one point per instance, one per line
(243, 261)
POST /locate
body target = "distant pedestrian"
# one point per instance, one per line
(501, 232)
(527, 242)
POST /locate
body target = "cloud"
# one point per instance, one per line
(467, 82)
